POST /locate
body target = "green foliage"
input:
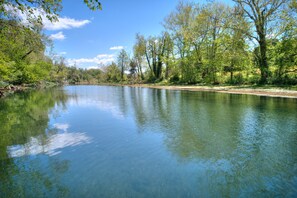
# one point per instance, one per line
(93, 4)
(83, 76)
(22, 58)
(32, 9)
(203, 43)
(237, 79)
(123, 62)
(111, 73)
(216, 43)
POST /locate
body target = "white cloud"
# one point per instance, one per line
(117, 48)
(62, 23)
(57, 36)
(63, 53)
(101, 59)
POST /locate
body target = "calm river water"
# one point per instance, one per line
(104, 141)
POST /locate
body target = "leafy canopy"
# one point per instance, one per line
(34, 9)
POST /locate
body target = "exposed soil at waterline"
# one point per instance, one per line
(271, 92)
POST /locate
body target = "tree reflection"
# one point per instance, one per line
(23, 116)
(247, 140)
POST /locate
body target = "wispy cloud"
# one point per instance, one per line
(57, 36)
(101, 59)
(117, 48)
(62, 23)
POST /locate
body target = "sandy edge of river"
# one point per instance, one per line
(270, 92)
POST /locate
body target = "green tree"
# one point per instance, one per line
(22, 49)
(111, 73)
(155, 52)
(236, 55)
(217, 17)
(285, 54)
(34, 9)
(139, 51)
(123, 62)
(263, 14)
(59, 70)
(178, 24)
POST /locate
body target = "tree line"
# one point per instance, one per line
(22, 45)
(248, 42)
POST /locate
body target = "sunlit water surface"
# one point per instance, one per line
(101, 141)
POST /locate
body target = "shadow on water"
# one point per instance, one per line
(24, 116)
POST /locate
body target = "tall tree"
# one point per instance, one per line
(262, 13)
(155, 51)
(123, 62)
(178, 24)
(139, 53)
(236, 55)
(217, 17)
(168, 56)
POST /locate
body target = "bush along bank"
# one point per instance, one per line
(8, 89)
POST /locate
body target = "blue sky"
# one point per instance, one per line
(116, 25)
(85, 37)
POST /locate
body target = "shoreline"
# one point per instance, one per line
(11, 89)
(269, 92)
(257, 91)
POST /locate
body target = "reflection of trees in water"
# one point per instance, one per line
(23, 116)
(192, 123)
(24, 177)
(247, 140)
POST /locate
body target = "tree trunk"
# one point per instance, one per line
(122, 71)
(141, 73)
(27, 54)
(167, 69)
(148, 60)
(263, 57)
(159, 69)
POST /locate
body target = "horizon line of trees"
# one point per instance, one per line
(214, 43)
(23, 45)
(249, 42)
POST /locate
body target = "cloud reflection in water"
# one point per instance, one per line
(98, 104)
(52, 145)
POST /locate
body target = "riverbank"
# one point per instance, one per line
(11, 89)
(249, 90)
(269, 91)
